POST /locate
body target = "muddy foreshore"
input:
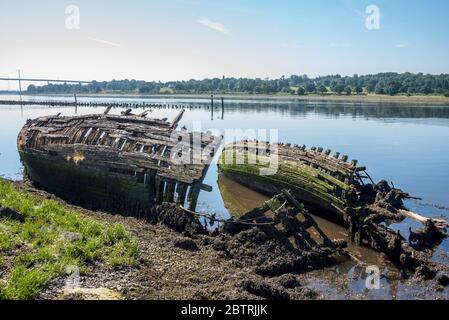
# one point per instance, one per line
(179, 260)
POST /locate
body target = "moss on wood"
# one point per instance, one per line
(308, 184)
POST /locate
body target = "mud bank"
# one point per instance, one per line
(179, 259)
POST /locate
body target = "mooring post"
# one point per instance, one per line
(212, 107)
(76, 103)
(222, 108)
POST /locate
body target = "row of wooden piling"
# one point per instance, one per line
(99, 104)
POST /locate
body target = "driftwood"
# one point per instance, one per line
(440, 223)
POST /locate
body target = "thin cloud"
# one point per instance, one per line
(105, 42)
(401, 45)
(340, 45)
(216, 26)
(293, 45)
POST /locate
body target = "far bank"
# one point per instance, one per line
(425, 100)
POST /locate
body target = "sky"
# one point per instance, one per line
(183, 39)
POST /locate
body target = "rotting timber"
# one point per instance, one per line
(313, 175)
(116, 163)
(329, 183)
(344, 191)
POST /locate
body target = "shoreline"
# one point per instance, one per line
(425, 100)
(171, 264)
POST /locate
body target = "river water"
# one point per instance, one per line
(404, 143)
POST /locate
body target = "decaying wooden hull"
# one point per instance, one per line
(89, 188)
(313, 176)
(123, 164)
(337, 188)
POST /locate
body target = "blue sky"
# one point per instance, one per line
(183, 39)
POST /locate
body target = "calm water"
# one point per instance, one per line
(405, 144)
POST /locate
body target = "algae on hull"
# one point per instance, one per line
(310, 180)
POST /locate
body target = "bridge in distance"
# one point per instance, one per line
(45, 80)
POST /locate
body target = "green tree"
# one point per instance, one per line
(145, 89)
(338, 88)
(379, 89)
(322, 89)
(301, 91)
(393, 88)
(310, 87)
(348, 90)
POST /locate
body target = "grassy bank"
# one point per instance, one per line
(50, 239)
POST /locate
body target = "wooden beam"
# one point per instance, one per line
(169, 191)
(439, 223)
(193, 196)
(160, 184)
(107, 110)
(182, 192)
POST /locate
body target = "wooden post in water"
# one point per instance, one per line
(222, 108)
(212, 107)
(76, 103)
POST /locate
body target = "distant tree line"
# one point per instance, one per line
(382, 83)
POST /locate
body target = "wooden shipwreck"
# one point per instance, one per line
(329, 183)
(342, 190)
(313, 175)
(117, 163)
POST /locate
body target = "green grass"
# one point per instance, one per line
(166, 90)
(39, 249)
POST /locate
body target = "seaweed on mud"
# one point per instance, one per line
(279, 244)
(274, 240)
(265, 290)
(176, 219)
